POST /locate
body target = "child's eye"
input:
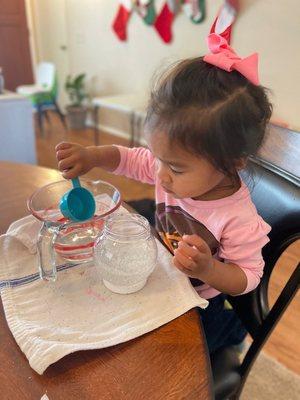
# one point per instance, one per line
(175, 171)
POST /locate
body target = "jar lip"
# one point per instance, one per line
(127, 217)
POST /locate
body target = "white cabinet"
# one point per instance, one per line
(17, 138)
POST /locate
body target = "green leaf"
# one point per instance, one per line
(75, 89)
(78, 81)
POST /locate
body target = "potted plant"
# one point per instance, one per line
(77, 110)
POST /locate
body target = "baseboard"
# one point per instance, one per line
(114, 131)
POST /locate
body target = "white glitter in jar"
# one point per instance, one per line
(128, 259)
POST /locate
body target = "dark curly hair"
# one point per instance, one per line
(212, 113)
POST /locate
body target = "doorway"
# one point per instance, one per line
(15, 57)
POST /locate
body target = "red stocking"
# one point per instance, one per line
(225, 19)
(122, 18)
(165, 19)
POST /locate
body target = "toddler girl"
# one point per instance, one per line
(205, 117)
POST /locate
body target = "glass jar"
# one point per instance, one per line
(125, 253)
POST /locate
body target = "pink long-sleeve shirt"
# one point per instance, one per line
(230, 226)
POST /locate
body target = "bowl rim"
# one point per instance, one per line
(36, 215)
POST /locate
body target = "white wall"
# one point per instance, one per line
(270, 27)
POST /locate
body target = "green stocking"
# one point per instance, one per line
(146, 9)
(194, 9)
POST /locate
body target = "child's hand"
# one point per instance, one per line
(193, 257)
(73, 159)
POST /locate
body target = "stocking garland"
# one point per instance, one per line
(195, 10)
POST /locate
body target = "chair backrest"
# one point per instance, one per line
(45, 75)
(277, 198)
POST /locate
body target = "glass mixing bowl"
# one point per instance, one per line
(73, 241)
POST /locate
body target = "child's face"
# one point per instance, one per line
(181, 173)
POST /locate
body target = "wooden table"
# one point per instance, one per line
(171, 362)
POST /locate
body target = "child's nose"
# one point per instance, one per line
(163, 175)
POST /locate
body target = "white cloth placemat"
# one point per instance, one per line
(52, 319)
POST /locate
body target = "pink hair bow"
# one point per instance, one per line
(224, 57)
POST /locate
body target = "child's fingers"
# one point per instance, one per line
(191, 252)
(63, 146)
(181, 268)
(195, 240)
(66, 163)
(61, 154)
(187, 249)
(187, 262)
(71, 172)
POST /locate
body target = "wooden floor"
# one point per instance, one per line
(284, 344)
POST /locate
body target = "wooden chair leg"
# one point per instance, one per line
(40, 119)
(60, 114)
(47, 117)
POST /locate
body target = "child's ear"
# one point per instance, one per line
(240, 163)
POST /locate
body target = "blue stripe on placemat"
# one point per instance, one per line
(33, 277)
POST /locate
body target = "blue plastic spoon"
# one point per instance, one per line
(78, 204)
